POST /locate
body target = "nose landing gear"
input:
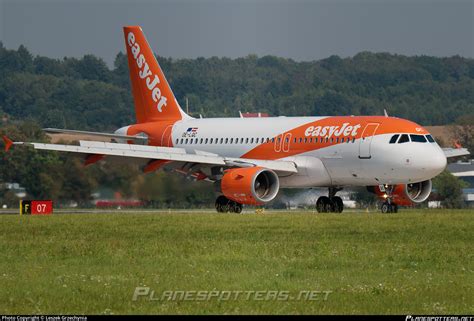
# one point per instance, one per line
(388, 206)
(331, 204)
(225, 205)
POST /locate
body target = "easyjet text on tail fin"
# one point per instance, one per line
(154, 99)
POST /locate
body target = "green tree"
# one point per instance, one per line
(464, 132)
(44, 174)
(449, 188)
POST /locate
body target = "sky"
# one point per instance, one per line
(301, 30)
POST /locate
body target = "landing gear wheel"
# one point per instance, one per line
(225, 205)
(389, 207)
(324, 205)
(222, 204)
(337, 204)
(237, 208)
(329, 205)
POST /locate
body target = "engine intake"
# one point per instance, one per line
(418, 192)
(250, 185)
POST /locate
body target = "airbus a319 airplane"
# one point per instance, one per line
(251, 159)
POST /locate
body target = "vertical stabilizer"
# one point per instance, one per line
(153, 97)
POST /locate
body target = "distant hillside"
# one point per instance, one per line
(86, 94)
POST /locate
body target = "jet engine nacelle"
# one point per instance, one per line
(250, 185)
(406, 194)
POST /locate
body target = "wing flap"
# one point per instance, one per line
(99, 134)
(120, 151)
(133, 147)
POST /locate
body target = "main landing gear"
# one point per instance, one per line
(388, 206)
(331, 204)
(225, 205)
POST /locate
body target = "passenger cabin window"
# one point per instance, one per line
(418, 138)
(404, 139)
(430, 138)
(394, 138)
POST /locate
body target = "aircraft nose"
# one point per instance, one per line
(437, 162)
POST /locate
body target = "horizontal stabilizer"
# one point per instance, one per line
(455, 152)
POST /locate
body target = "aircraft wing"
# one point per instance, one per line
(172, 154)
(454, 152)
(137, 138)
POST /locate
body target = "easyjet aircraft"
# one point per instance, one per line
(250, 159)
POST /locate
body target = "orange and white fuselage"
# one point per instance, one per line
(332, 150)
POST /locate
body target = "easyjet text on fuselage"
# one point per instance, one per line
(330, 131)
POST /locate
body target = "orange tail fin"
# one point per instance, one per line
(154, 99)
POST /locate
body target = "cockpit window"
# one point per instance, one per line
(394, 138)
(404, 139)
(430, 138)
(418, 138)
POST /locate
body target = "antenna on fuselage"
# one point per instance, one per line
(385, 112)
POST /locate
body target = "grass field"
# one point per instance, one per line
(416, 262)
